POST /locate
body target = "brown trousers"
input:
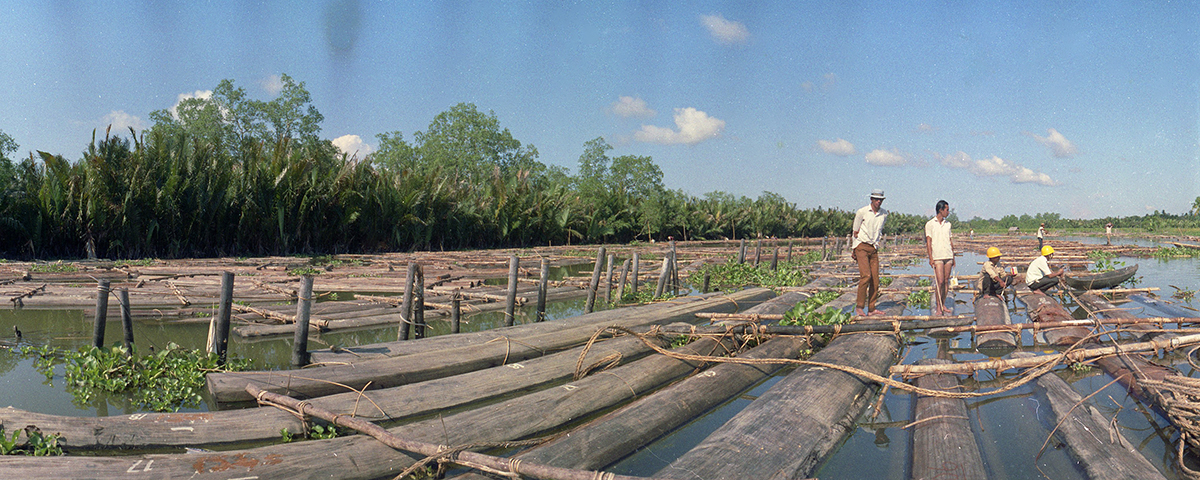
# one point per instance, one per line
(868, 275)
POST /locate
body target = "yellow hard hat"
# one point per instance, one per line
(1047, 250)
(993, 252)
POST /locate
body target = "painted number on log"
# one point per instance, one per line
(516, 366)
(708, 373)
(569, 387)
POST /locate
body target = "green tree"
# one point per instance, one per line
(469, 142)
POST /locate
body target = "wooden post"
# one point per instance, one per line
(636, 271)
(775, 259)
(595, 284)
(543, 280)
(707, 278)
(824, 249)
(220, 330)
(742, 252)
(102, 289)
(455, 313)
(757, 251)
(418, 311)
(126, 318)
(624, 278)
(789, 258)
(674, 269)
(510, 307)
(406, 305)
(608, 273)
(303, 309)
(662, 276)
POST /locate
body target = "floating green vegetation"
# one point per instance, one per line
(923, 282)
(1185, 294)
(36, 444)
(733, 274)
(303, 271)
(145, 262)
(1175, 252)
(1104, 261)
(54, 267)
(807, 312)
(315, 432)
(333, 262)
(681, 340)
(919, 298)
(163, 381)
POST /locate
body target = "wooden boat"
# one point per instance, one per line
(1092, 281)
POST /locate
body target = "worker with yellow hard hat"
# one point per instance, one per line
(993, 279)
(1039, 276)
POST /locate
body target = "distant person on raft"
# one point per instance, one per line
(940, 250)
(867, 231)
(1039, 277)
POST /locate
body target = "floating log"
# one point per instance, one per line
(1091, 438)
(819, 329)
(943, 443)
(663, 310)
(393, 371)
(989, 311)
(790, 428)
(1042, 308)
(616, 435)
(280, 317)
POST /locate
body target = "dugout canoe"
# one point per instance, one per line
(989, 311)
(512, 346)
(1098, 280)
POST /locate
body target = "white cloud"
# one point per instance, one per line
(997, 167)
(885, 158)
(201, 94)
(925, 127)
(273, 84)
(121, 121)
(694, 125)
(840, 147)
(957, 160)
(725, 31)
(353, 145)
(1058, 144)
(632, 107)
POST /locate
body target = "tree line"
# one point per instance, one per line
(229, 175)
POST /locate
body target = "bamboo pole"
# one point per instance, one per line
(1079, 355)
(510, 302)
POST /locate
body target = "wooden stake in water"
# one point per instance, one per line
(707, 278)
(303, 309)
(126, 318)
(418, 311)
(510, 308)
(624, 278)
(757, 251)
(595, 283)
(608, 273)
(635, 272)
(543, 281)
(220, 327)
(742, 252)
(789, 257)
(663, 274)
(775, 259)
(455, 313)
(406, 305)
(102, 289)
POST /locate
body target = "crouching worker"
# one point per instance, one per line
(993, 280)
(1039, 277)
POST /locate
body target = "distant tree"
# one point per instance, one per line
(394, 153)
(7, 172)
(1196, 207)
(472, 143)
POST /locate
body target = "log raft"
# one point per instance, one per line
(990, 310)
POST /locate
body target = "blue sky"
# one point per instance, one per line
(1087, 109)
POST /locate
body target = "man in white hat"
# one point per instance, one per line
(867, 230)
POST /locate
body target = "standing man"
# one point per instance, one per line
(1041, 235)
(941, 255)
(1039, 277)
(867, 230)
(1108, 233)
